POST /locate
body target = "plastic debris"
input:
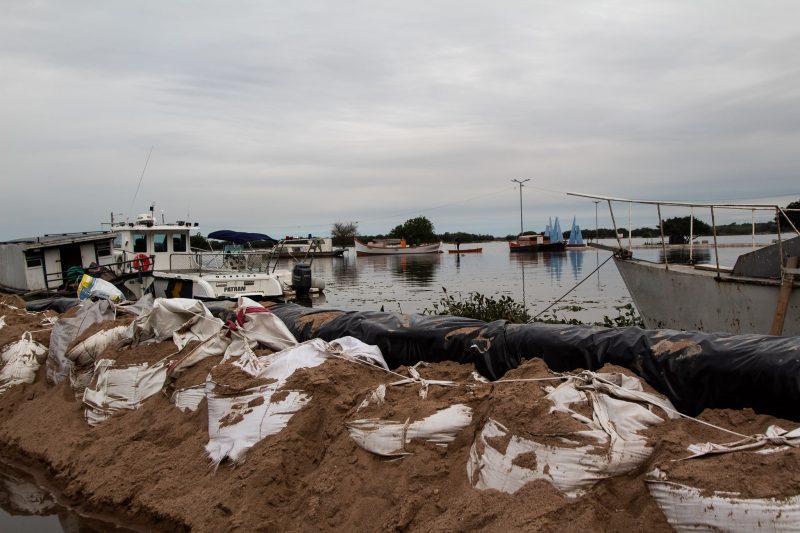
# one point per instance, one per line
(90, 287)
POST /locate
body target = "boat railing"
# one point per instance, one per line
(124, 266)
(200, 261)
(780, 214)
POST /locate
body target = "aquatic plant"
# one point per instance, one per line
(488, 309)
(477, 305)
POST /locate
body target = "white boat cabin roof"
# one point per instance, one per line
(53, 240)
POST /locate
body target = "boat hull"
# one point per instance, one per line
(536, 248)
(363, 249)
(467, 251)
(682, 297)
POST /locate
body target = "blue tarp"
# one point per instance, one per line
(239, 237)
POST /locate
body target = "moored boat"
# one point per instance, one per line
(394, 247)
(535, 243)
(466, 251)
(760, 294)
(176, 270)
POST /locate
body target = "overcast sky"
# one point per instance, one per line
(284, 117)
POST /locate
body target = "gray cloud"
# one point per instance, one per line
(285, 117)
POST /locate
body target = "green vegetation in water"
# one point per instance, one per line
(489, 309)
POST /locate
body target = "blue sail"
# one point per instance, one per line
(575, 237)
(556, 235)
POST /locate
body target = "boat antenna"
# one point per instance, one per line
(141, 177)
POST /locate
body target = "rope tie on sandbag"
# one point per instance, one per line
(638, 394)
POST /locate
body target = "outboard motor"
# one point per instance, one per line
(301, 278)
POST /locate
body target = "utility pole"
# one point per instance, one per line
(520, 182)
(595, 219)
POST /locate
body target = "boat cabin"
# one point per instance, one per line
(146, 245)
(42, 263)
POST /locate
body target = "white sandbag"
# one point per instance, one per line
(215, 345)
(181, 319)
(237, 422)
(189, 399)
(20, 362)
(66, 330)
(114, 389)
(611, 444)
(389, 438)
(88, 350)
(687, 509)
(356, 349)
(260, 326)
(24, 347)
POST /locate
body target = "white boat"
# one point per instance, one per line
(759, 294)
(394, 247)
(162, 255)
(302, 247)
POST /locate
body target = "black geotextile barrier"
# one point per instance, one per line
(695, 370)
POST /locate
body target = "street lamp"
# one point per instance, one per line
(520, 182)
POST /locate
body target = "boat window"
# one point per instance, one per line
(159, 242)
(139, 242)
(178, 242)
(33, 259)
(103, 249)
(118, 241)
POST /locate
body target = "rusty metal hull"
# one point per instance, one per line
(682, 297)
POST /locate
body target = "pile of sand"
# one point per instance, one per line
(150, 465)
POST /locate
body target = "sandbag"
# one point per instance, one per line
(181, 319)
(66, 330)
(117, 388)
(609, 444)
(238, 420)
(20, 362)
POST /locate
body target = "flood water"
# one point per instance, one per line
(411, 284)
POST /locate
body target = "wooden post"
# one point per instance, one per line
(787, 280)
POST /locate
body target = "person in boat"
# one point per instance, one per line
(458, 245)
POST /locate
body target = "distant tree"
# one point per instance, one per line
(677, 229)
(344, 232)
(198, 241)
(415, 231)
(794, 216)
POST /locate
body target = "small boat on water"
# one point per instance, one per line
(759, 294)
(550, 240)
(466, 251)
(394, 247)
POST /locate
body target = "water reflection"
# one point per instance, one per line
(553, 262)
(576, 261)
(414, 270)
(25, 506)
(419, 270)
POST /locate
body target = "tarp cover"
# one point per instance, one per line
(239, 237)
(694, 370)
